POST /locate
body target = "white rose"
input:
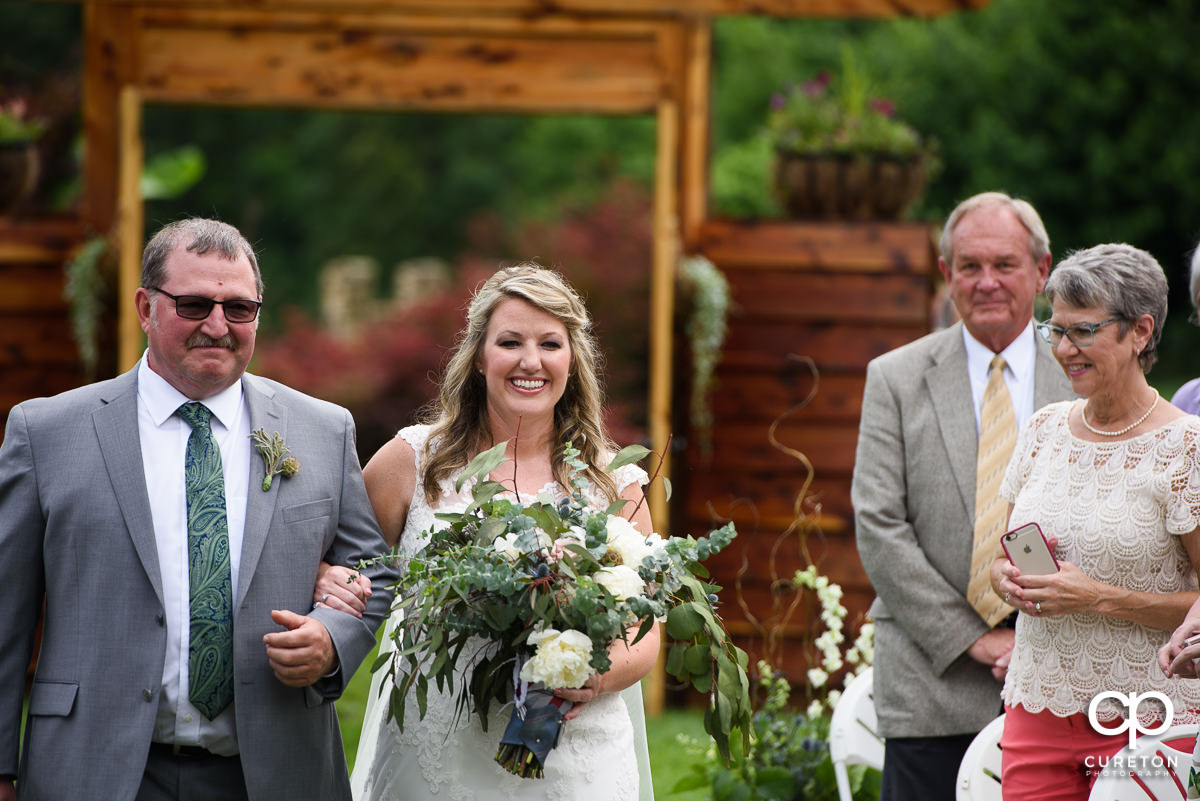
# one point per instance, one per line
(506, 546)
(562, 659)
(621, 580)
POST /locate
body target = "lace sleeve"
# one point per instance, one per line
(1183, 495)
(416, 436)
(629, 474)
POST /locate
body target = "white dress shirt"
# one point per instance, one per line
(1020, 357)
(164, 437)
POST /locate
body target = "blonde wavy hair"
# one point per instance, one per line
(459, 417)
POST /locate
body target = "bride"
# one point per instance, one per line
(525, 371)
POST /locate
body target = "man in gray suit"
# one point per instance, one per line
(938, 664)
(181, 656)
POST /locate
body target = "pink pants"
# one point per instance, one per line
(1049, 758)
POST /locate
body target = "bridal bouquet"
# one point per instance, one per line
(531, 596)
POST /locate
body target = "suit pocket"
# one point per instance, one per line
(52, 698)
(308, 511)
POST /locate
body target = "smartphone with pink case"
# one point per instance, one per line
(1026, 547)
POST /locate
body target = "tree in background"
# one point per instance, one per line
(1088, 110)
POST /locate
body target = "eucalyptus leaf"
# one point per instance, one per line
(630, 454)
(684, 622)
(674, 665)
(697, 660)
(482, 465)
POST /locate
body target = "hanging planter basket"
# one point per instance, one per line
(848, 186)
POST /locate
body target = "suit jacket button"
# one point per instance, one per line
(148, 695)
(160, 618)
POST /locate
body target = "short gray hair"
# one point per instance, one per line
(1039, 240)
(1125, 281)
(199, 236)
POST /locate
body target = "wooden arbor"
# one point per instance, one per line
(523, 56)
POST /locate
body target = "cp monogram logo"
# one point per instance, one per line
(1131, 702)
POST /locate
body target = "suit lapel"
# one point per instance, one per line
(949, 389)
(270, 415)
(116, 424)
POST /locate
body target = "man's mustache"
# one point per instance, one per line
(199, 340)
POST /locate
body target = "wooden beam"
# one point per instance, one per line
(129, 227)
(320, 61)
(604, 8)
(108, 31)
(662, 300)
(693, 177)
(662, 316)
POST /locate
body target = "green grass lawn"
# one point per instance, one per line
(669, 760)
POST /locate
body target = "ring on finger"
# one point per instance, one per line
(1037, 607)
(324, 597)
(1007, 595)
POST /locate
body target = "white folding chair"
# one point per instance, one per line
(1153, 771)
(853, 737)
(979, 771)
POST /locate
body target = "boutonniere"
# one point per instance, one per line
(275, 457)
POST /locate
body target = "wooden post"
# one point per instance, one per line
(128, 229)
(109, 31)
(662, 316)
(693, 178)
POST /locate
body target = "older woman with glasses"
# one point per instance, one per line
(1113, 481)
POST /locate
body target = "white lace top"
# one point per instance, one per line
(1117, 509)
(601, 754)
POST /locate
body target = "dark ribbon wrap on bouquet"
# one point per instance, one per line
(532, 731)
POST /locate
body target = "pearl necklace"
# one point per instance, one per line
(1126, 429)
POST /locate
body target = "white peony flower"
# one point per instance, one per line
(625, 543)
(621, 580)
(561, 659)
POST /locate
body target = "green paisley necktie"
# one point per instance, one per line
(210, 652)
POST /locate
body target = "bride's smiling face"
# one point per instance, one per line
(525, 360)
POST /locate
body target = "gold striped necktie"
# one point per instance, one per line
(997, 436)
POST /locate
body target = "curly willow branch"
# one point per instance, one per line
(801, 524)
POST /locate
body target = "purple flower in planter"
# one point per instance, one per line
(884, 106)
(817, 86)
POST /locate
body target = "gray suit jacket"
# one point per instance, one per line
(75, 523)
(914, 500)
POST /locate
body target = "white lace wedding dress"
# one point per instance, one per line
(601, 754)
